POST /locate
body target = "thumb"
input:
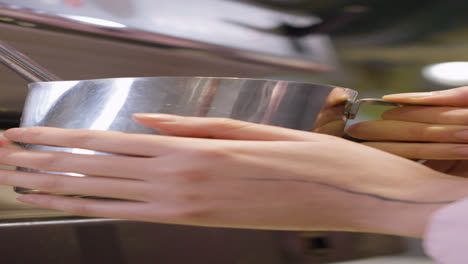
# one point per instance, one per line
(221, 128)
(457, 97)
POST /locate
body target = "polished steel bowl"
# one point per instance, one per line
(108, 104)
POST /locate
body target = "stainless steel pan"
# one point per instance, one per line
(108, 104)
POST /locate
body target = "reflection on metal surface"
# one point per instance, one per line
(108, 104)
(89, 104)
(23, 65)
(333, 115)
(118, 96)
(207, 29)
(63, 221)
(447, 73)
(95, 21)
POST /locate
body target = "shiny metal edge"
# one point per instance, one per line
(23, 65)
(57, 23)
(354, 106)
(56, 221)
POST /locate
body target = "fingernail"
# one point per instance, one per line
(352, 128)
(3, 142)
(462, 135)
(157, 117)
(408, 96)
(14, 132)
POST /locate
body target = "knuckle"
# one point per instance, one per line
(189, 213)
(210, 153)
(49, 161)
(422, 132)
(433, 133)
(187, 172)
(410, 150)
(80, 209)
(51, 184)
(230, 124)
(190, 197)
(226, 122)
(425, 134)
(417, 151)
(82, 138)
(7, 179)
(191, 175)
(396, 113)
(356, 130)
(196, 163)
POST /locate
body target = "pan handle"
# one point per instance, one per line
(353, 107)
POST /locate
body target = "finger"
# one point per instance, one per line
(329, 115)
(430, 115)
(5, 143)
(337, 96)
(335, 128)
(139, 211)
(88, 207)
(391, 130)
(222, 128)
(452, 97)
(70, 185)
(96, 165)
(104, 141)
(427, 151)
(441, 165)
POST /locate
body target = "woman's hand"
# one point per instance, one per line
(246, 175)
(437, 131)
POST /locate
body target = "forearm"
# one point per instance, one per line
(410, 215)
(371, 215)
(400, 219)
(386, 206)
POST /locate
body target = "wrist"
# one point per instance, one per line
(411, 215)
(406, 220)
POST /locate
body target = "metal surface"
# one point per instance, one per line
(147, 243)
(60, 221)
(23, 65)
(200, 25)
(107, 104)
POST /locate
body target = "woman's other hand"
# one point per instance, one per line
(436, 130)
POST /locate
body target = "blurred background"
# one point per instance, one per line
(384, 47)
(374, 47)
